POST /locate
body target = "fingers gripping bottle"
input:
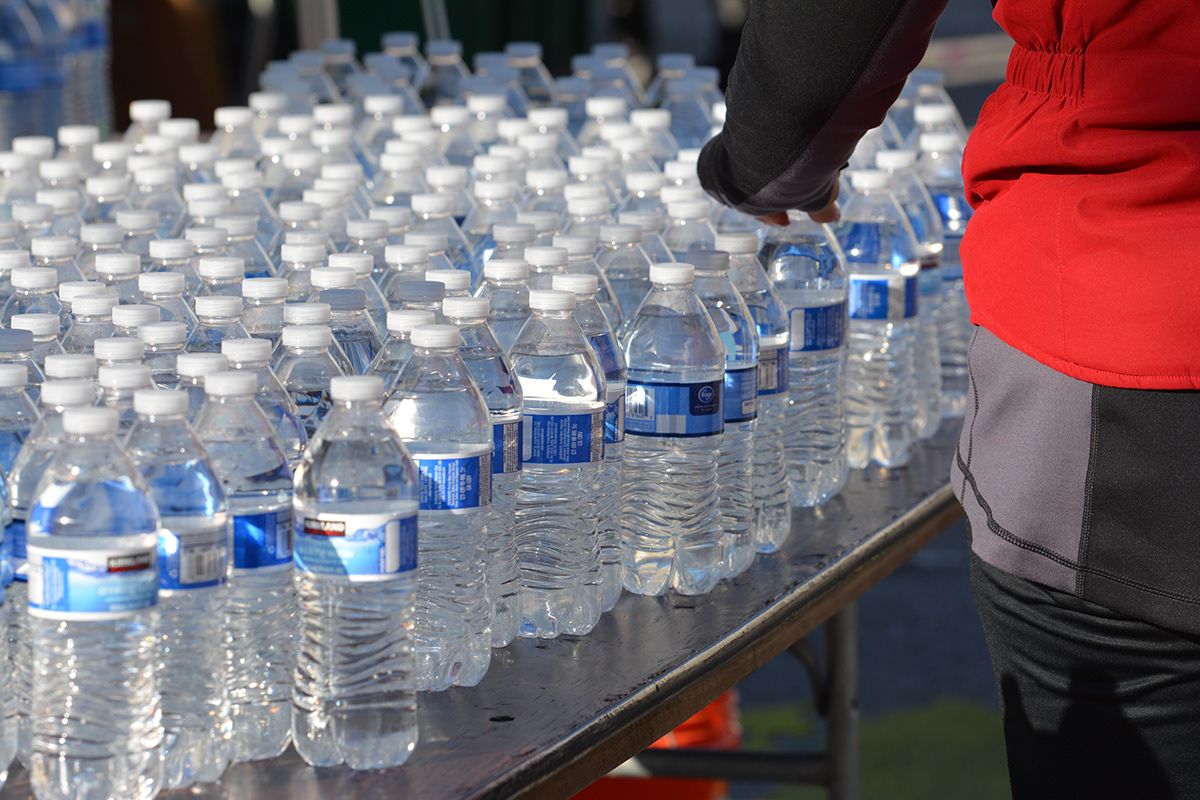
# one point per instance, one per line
(355, 515)
(250, 461)
(670, 510)
(444, 422)
(93, 596)
(562, 386)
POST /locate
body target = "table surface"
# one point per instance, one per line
(552, 716)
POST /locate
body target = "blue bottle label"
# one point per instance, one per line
(951, 272)
(364, 548)
(193, 552)
(741, 394)
(883, 297)
(455, 483)
(929, 282)
(614, 416)
(506, 457)
(91, 585)
(564, 438)
(818, 328)
(773, 371)
(16, 535)
(263, 541)
(675, 410)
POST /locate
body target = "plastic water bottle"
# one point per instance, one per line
(397, 347)
(193, 554)
(217, 318)
(191, 369)
(882, 259)
(625, 265)
(689, 228)
(16, 347)
(355, 514)
(165, 290)
(17, 413)
(33, 293)
(262, 313)
(249, 460)
(557, 503)
(254, 355)
(599, 333)
(506, 289)
(735, 469)
(670, 510)
(93, 320)
(492, 372)
(772, 514)
(940, 167)
(305, 370)
(442, 418)
(164, 343)
(44, 328)
(806, 267)
(93, 595)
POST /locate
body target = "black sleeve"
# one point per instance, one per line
(811, 77)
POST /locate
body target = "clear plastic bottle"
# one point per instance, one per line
(193, 554)
(16, 347)
(625, 265)
(93, 592)
(58, 253)
(492, 372)
(165, 290)
(262, 313)
(689, 228)
(220, 276)
(44, 328)
(254, 355)
(431, 214)
(118, 384)
(363, 266)
(735, 469)
(670, 509)
(352, 327)
(546, 191)
(17, 413)
(191, 369)
(599, 332)
(355, 513)
(234, 134)
(369, 236)
(246, 242)
(425, 295)
(218, 318)
(249, 460)
(140, 226)
(883, 266)
(176, 255)
(305, 370)
(154, 190)
(772, 514)
(69, 292)
(164, 343)
(93, 320)
(119, 350)
(119, 271)
(442, 418)
(96, 239)
(505, 287)
(435, 247)
(397, 347)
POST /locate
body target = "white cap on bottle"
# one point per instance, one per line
(672, 273)
(161, 282)
(233, 116)
(398, 162)
(587, 206)
(268, 101)
(149, 110)
(37, 324)
(101, 233)
(119, 349)
(37, 148)
(620, 234)
(111, 151)
(124, 376)
(578, 283)
(137, 219)
(106, 186)
(333, 114)
(302, 253)
(34, 278)
(307, 314)
(604, 106)
(232, 383)
(237, 224)
(869, 179)
(511, 129)
(160, 401)
(71, 365)
(307, 336)
(382, 104)
(366, 228)
(651, 119)
(549, 118)
(193, 365)
(932, 142)
(324, 199)
(547, 256)
(171, 248)
(506, 269)
(645, 181)
(410, 122)
(78, 135)
(439, 336)
(688, 209)
(395, 216)
(241, 181)
(495, 190)
(184, 129)
(487, 103)
(70, 291)
(95, 305)
(680, 171)
(453, 175)
(53, 246)
(576, 244)
(546, 178)
(895, 159)
(455, 280)
(348, 388)
(69, 392)
(689, 155)
(198, 153)
(207, 237)
(33, 212)
(536, 144)
(118, 264)
(737, 244)
(13, 376)
(296, 211)
(79, 421)
(432, 203)
(405, 319)
(63, 201)
(221, 267)
(406, 254)
(433, 241)
(213, 207)
(13, 259)
(333, 278)
(295, 124)
(551, 300)
(243, 350)
(932, 114)
(218, 306)
(361, 264)
(134, 316)
(450, 115)
(265, 288)
(156, 333)
(154, 176)
(513, 232)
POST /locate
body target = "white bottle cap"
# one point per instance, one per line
(241, 181)
(382, 104)
(53, 246)
(398, 162)
(160, 401)
(218, 306)
(184, 129)
(551, 300)
(119, 348)
(95, 305)
(361, 264)
(512, 129)
(324, 199)
(276, 146)
(406, 254)
(432, 203)
(78, 135)
(230, 384)
(70, 291)
(34, 278)
(193, 365)
(302, 253)
(609, 156)
(91, 421)
(133, 316)
(410, 122)
(651, 119)
(35, 147)
(137, 219)
(111, 151)
(587, 206)
(171, 248)
(155, 333)
(645, 181)
(605, 106)
(336, 138)
(932, 114)
(506, 269)
(33, 212)
(546, 178)
(71, 392)
(737, 244)
(576, 244)
(405, 319)
(578, 283)
(584, 165)
(537, 144)
(689, 155)
(448, 176)
(396, 217)
(13, 259)
(549, 118)
(333, 114)
(495, 190)
(439, 336)
(198, 153)
(101, 233)
(106, 186)
(307, 336)
(13, 376)
(450, 115)
(207, 237)
(159, 145)
(616, 129)
(71, 365)
(487, 103)
(895, 159)
(366, 228)
(489, 163)
(546, 256)
(577, 191)
(348, 388)
(221, 267)
(688, 209)
(928, 142)
(294, 211)
(208, 208)
(123, 376)
(63, 201)
(868, 179)
(265, 288)
(14, 162)
(233, 116)
(237, 224)
(680, 171)
(203, 191)
(246, 350)
(620, 234)
(149, 110)
(455, 280)
(513, 232)
(672, 273)
(434, 242)
(295, 124)
(307, 314)
(333, 278)
(268, 101)
(161, 282)
(37, 324)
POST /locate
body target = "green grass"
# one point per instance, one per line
(949, 750)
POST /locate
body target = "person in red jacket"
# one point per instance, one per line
(1077, 464)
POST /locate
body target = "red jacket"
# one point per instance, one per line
(1084, 172)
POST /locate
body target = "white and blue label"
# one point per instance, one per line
(564, 439)
(193, 552)
(773, 371)
(741, 394)
(455, 483)
(817, 328)
(883, 297)
(91, 585)
(674, 410)
(363, 548)
(506, 457)
(263, 541)
(14, 538)
(614, 416)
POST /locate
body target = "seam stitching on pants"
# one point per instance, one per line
(1088, 482)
